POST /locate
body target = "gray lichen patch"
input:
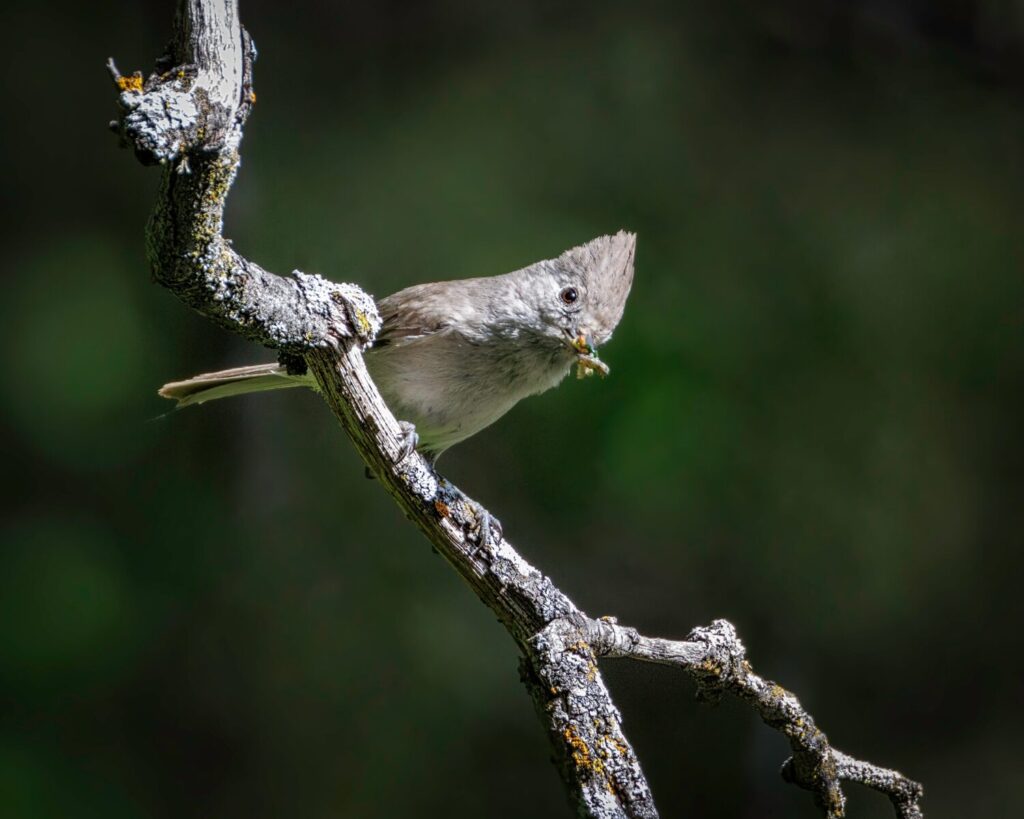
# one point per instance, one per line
(160, 126)
(567, 687)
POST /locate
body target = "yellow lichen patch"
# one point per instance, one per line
(584, 648)
(364, 323)
(442, 508)
(585, 760)
(252, 97)
(581, 753)
(711, 667)
(612, 741)
(130, 83)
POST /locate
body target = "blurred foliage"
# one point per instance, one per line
(812, 425)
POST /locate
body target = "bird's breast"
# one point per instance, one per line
(451, 387)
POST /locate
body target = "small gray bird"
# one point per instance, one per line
(453, 357)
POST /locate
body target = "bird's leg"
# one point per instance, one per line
(488, 528)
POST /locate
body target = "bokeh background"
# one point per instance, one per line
(812, 427)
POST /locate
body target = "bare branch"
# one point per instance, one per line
(716, 659)
(181, 118)
(905, 794)
(597, 762)
(188, 117)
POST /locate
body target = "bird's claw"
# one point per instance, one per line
(488, 529)
(487, 525)
(410, 440)
(406, 445)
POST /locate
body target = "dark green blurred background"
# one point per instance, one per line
(813, 424)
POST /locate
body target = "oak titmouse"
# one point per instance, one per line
(453, 357)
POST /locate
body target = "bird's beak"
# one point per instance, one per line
(587, 362)
(583, 343)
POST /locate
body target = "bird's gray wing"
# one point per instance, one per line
(414, 313)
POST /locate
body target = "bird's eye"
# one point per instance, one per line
(569, 295)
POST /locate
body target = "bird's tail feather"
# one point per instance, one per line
(226, 383)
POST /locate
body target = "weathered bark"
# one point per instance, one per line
(188, 117)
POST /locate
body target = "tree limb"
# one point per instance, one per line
(188, 117)
(716, 659)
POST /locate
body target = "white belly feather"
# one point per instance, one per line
(448, 403)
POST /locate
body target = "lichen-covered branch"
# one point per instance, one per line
(597, 762)
(716, 659)
(188, 117)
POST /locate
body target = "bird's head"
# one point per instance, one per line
(580, 296)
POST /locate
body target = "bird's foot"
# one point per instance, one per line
(410, 440)
(488, 529)
(406, 446)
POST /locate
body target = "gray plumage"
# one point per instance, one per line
(452, 357)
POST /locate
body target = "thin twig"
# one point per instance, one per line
(716, 659)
